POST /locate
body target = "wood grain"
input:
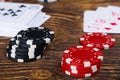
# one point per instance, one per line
(67, 23)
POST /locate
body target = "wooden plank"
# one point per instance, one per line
(67, 23)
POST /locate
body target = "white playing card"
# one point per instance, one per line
(10, 32)
(115, 12)
(113, 15)
(8, 25)
(28, 15)
(42, 20)
(107, 14)
(101, 8)
(39, 19)
(98, 22)
(18, 12)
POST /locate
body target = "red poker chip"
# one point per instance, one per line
(91, 69)
(78, 73)
(81, 64)
(81, 61)
(98, 40)
(63, 63)
(72, 73)
(82, 56)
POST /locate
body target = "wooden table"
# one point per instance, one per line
(67, 23)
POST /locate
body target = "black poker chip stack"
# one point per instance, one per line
(29, 45)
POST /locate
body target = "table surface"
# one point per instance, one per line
(67, 23)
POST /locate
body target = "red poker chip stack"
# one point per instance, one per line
(99, 40)
(81, 61)
(86, 60)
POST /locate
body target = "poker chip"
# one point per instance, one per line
(47, 0)
(75, 66)
(21, 54)
(80, 73)
(29, 45)
(23, 60)
(98, 40)
(35, 35)
(81, 61)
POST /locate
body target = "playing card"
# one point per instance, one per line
(18, 16)
(101, 8)
(113, 15)
(18, 12)
(9, 33)
(39, 19)
(98, 22)
(115, 12)
(104, 19)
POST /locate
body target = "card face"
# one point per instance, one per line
(18, 16)
(100, 8)
(10, 32)
(10, 29)
(92, 22)
(96, 22)
(38, 20)
(115, 12)
(18, 12)
(104, 19)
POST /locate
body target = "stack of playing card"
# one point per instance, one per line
(18, 16)
(103, 19)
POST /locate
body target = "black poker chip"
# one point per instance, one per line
(21, 57)
(23, 60)
(36, 34)
(17, 50)
(29, 45)
(25, 48)
(23, 44)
